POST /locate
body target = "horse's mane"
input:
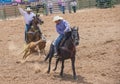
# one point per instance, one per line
(31, 23)
(68, 42)
(70, 38)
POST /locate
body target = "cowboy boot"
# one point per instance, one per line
(55, 52)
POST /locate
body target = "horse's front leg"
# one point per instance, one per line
(62, 67)
(73, 68)
(56, 64)
(49, 65)
(46, 57)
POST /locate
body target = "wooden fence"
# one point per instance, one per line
(8, 11)
(86, 3)
(12, 11)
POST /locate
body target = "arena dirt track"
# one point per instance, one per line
(97, 58)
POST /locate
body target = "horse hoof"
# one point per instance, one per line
(75, 78)
(48, 72)
(54, 69)
(18, 62)
(37, 71)
(61, 75)
(21, 61)
(45, 59)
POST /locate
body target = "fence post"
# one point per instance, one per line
(89, 4)
(45, 12)
(4, 14)
(15, 12)
(1, 13)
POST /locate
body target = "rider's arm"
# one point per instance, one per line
(60, 32)
(58, 29)
(67, 26)
(21, 11)
(33, 14)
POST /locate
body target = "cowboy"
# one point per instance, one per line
(28, 17)
(63, 6)
(50, 6)
(62, 27)
(74, 5)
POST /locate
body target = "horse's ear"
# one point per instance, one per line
(33, 17)
(38, 14)
(77, 28)
(74, 26)
(71, 28)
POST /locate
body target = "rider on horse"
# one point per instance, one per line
(62, 27)
(28, 17)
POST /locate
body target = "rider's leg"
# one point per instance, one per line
(27, 27)
(57, 42)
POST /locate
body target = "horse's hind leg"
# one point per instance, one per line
(73, 68)
(62, 67)
(56, 64)
(50, 55)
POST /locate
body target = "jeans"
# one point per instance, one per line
(60, 7)
(63, 9)
(74, 9)
(50, 10)
(58, 40)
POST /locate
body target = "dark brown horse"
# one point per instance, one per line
(34, 34)
(66, 51)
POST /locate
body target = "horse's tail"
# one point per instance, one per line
(50, 53)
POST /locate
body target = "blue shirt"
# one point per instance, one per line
(62, 27)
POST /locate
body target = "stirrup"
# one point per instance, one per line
(55, 54)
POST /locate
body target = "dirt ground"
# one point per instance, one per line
(97, 58)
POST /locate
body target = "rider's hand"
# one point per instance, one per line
(65, 32)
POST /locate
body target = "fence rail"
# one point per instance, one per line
(8, 11)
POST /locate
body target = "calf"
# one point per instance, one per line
(34, 46)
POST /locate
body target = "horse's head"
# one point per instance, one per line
(36, 20)
(75, 35)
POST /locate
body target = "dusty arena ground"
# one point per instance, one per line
(97, 58)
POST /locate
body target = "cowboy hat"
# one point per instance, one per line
(56, 18)
(28, 9)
